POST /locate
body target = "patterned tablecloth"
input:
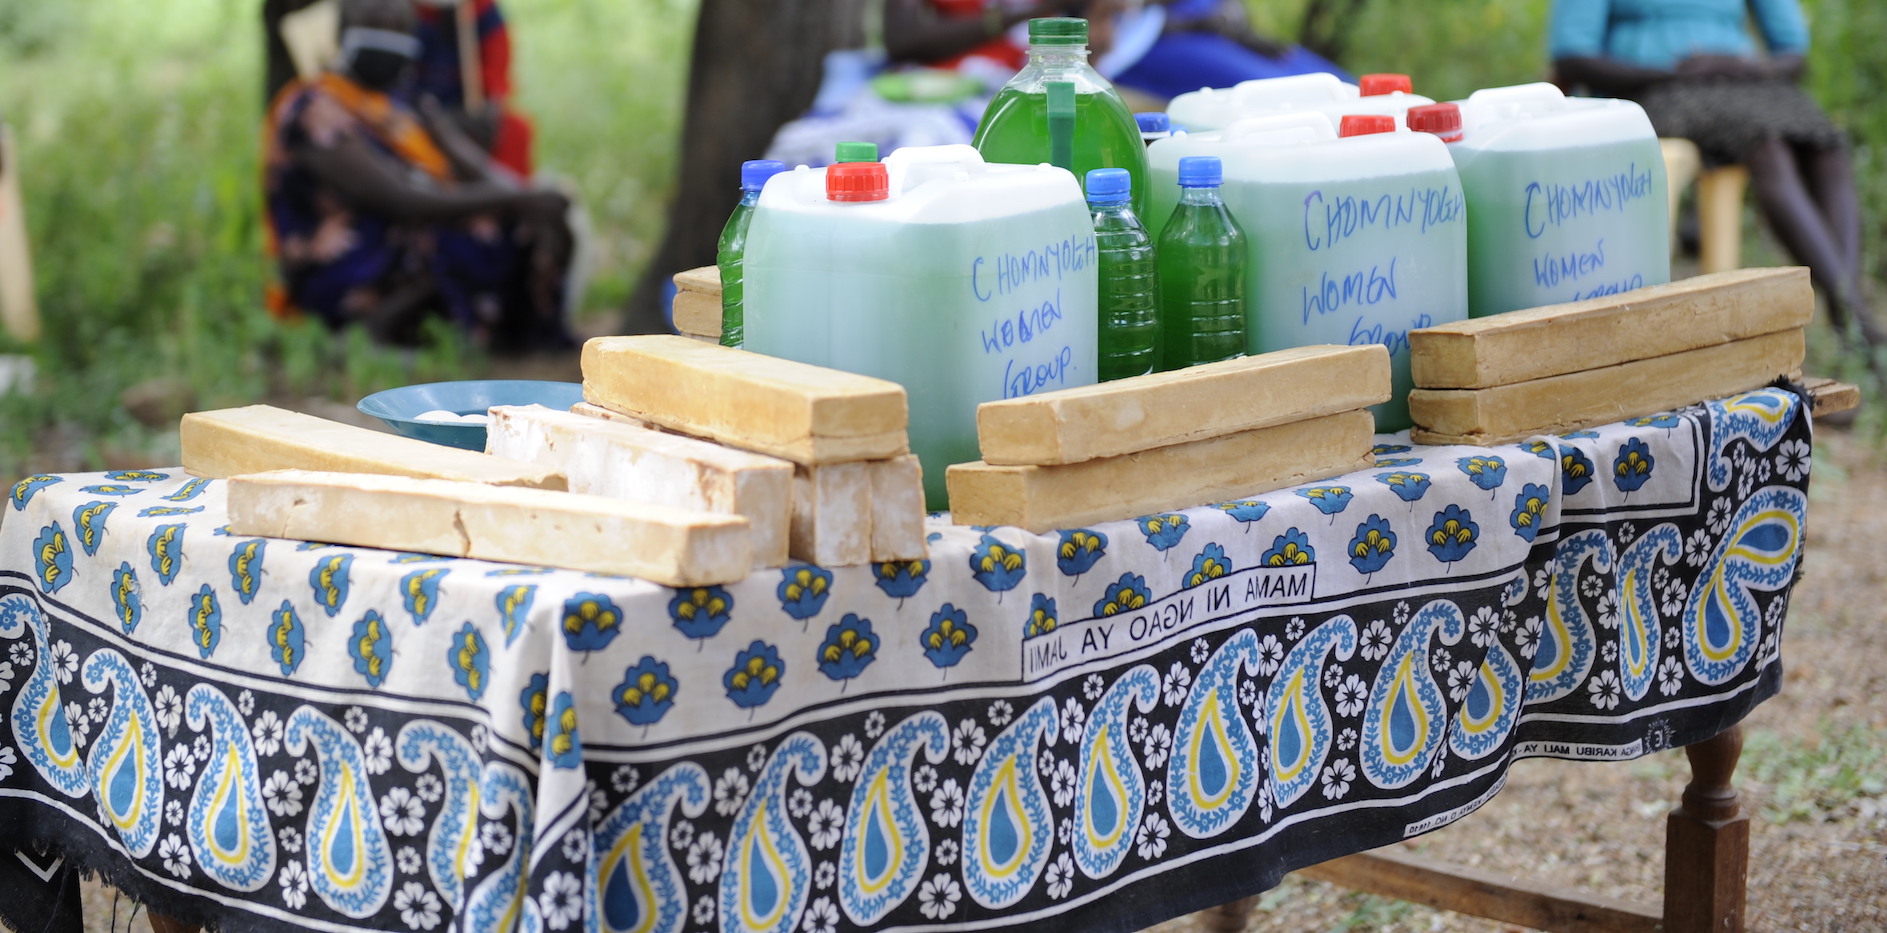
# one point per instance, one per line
(1094, 729)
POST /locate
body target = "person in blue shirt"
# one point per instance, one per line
(1695, 68)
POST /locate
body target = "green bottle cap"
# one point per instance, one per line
(1058, 30)
(856, 152)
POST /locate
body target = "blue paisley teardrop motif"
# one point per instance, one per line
(1110, 793)
(763, 889)
(1640, 632)
(450, 845)
(1722, 623)
(1404, 722)
(1566, 639)
(887, 843)
(126, 761)
(1007, 826)
(349, 865)
(1761, 418)
(1299, 720)
(227, 827)
(497, 903)
(1491, 708)
(1213, 777)
(638, 887)
(39, 719)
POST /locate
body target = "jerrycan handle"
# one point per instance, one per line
(1061, 124)
(1518, 93)
(914, 166)
(1317, 86)
(1307, 125)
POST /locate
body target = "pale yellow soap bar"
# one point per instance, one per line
(1644, 323)
(624, 461)
(807, 414)
(1045, 498)
(1161, 409)
(260, 438)
(698, 315)
(832, 514)
(897, 510)
(674, 547)
(1568, 402)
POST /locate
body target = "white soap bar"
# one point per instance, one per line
(259, 438)
(674, 547)
(832, 514)
(623, 461)
(897, 509)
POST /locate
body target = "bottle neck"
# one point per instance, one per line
(1199, 195)
(1058, 56)
(748, 198)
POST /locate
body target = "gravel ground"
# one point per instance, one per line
(1812, 773)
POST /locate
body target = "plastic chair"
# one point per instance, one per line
(1719, 203)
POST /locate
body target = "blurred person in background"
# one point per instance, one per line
(382, 214)
(1695, 68)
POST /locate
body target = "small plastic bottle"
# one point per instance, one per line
(1154, 124)
(733, 247)
(1202, 259)
(1129, 287)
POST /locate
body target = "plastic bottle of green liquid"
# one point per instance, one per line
(1202, 272)
(733, 248)
(1018, 124)
(1129, 287)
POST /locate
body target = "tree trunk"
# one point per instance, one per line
(756, 65)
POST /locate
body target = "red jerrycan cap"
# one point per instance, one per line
(1363, 124)
(857, 181)
(1443, 120)
(1373, 85)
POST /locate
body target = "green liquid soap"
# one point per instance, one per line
(1129, 296)
(1202, 260)
(730, 255)
(1015, 126)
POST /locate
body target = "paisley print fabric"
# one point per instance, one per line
(1174, 709)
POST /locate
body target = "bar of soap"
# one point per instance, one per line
(1045, 498)
(897, 510)
(1583, 335)
(1568, 402)
(705, 280)
(698, 315)
(623, 461)
(260, 438)
(670, 546)
(808, 414)
(832, 514)
(1160, 409)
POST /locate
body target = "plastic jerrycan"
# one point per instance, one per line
(1023, 119)
(1353, 241)
(1218, 108)
(1566, 198)
(964, 281)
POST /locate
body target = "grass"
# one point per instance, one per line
(138, 133)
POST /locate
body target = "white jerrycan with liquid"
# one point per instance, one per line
(964, 281)
(1353, 240)
(1566, 198)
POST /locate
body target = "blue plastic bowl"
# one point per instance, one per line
(397, 407)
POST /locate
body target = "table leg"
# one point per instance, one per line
(1706, 844)
(1230, 916)
(163, 924)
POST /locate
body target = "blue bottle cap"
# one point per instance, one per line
(1109, 186)
(754, 173)
(1154, 122)
(1200, 172)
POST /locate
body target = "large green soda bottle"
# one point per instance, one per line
(730, 257)
(1202, 272)
(1016, 126)
(1129, 286)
